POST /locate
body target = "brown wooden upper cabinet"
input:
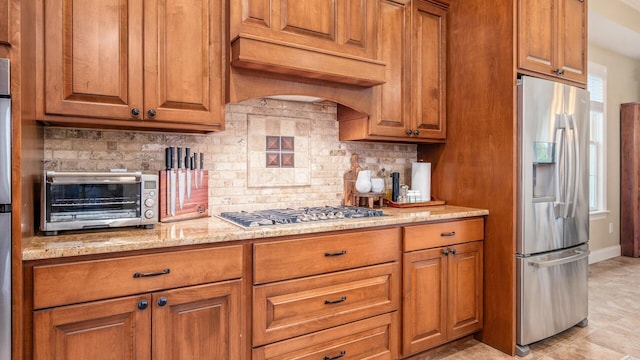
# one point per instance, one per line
(552, 38)
(135, 64)
(4, 21)
(318, 39)
(411, 104)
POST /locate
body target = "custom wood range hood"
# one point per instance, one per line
(320, 49)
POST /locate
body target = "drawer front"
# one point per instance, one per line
(289, 259)
(291, 308)
(373, 338)
(61, 284)
(442, 234)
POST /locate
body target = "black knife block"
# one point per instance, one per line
(196, 207)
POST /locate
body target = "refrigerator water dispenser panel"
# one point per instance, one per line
(544, 171)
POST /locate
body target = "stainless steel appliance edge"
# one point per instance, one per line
(5, 211)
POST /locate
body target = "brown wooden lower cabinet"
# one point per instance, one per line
(373, 294)
(442, 295)
(186, 323)
(442, 299)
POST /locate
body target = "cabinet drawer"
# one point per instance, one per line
(99, 279)
(441, 234)
(290, 308)
(373, 338)
(281, 260)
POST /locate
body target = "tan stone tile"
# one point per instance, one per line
(584, 349)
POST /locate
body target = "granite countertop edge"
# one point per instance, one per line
(212, 230)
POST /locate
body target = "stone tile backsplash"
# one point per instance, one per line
(226, 155)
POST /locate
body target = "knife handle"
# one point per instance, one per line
(192, 162)
(187, 156)
(179, 157)
(195, 160)
(201, 161)
(167, 158)
(171, 155)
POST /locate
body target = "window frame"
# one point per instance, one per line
(601, 208)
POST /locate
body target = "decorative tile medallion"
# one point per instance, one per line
(278, 151)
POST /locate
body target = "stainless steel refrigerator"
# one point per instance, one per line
(553, 209)
(5, 211)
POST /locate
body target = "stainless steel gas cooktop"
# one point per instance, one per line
(298, 216)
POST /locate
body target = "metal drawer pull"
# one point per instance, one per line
(452, 233)
(329, 302)
(156, 273)
(569, 259)
(342, 353)
(339, 253)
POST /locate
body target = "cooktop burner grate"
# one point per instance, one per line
(298, 216)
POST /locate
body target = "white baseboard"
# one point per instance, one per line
(604, 254)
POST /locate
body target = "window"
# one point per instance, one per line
(597, 86)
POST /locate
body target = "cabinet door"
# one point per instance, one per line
(4, 21)
(184, 49)
(537, 35)
(93, 58)
(572, 43)
(428, 70)
(198, 322)
(395, 94)
(464, 283)
(424, 300)
(101, 330)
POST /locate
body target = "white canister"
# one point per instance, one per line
(363, 182)
(377, 185)
(421, 179)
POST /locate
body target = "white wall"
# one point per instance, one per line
(623, 85)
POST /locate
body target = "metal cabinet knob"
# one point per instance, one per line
(416, 132)
(135, 112)
(558, 71)
(142, 304)
(151, 112)
(409, 132)
(162, 301)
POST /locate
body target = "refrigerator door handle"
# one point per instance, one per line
(574, 166)
(560, 188)
(543, 264)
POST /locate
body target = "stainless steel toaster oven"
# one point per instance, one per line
(98, 200)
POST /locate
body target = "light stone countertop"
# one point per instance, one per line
(215, 230)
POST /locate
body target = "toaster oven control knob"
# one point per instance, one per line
(148, 214)
(149, 203)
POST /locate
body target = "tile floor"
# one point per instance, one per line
(613, 332)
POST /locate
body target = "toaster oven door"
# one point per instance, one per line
(92, 201)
